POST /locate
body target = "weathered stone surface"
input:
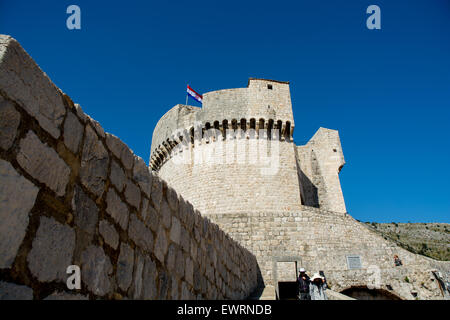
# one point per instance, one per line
(189, 271)
(136, 288)
(125, 266)
(85, 211)
(12, 291)
(80, 113)
(157, 192)
(132, 194)
(52, 250)
(140, 234)
(172, 199)
(149, 290)
(163, 280)
(120, 150)
(73, 132)
(117, 209)
(98, 128)
(185, 293)
(180, 263)
(43, 163)
(17, 197)
(24, 82)
(9, 122)
(96, 270)
(184, 239)
(66, 296)
(174, 289)
(94, 163)
(117, 176)
(175, 231)
(161, 244)
(109, 233)
(171, 258)
(152, 219)
(165, 214)
(144, 208)
(142, 175)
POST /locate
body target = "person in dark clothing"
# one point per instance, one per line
(303, 282)
(397, 261)
(325, 284)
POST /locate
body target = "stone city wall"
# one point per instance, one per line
(71, 194)
(322, 240)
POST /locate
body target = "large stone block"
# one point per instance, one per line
(24, 82)
(172, 199)
(149, 290)
(144, 208)
(186, 294)
(12, 291)
(142, 175)
(73, 132)
(125, 267)
(180, 264)
(157, 192)
(117, 209)
(9, 122)
(171, 257)
(189, 271)
(140, 234)
(80, 113)
(136, 288)
(117, 176)
(96, 270)
(152, 219)
(133, 194)
(185, 240)
(174, 289)
(43, 163)
(109, 233)
(165, 214)
(52, 250)
(175, 231)
(94, 163)
(120, 150)
(164, 282)
(85, 211)
(161, 244)
(17, 197)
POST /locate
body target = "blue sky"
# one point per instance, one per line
(387, 91)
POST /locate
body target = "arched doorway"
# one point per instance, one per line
(364, 293)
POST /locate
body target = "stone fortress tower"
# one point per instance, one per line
(235, 160)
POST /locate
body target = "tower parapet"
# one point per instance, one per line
(264, 104)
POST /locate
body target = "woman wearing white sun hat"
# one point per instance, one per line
(317, 288)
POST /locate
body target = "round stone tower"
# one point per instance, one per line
(233, 155)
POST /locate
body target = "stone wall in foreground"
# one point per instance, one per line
(71, 194)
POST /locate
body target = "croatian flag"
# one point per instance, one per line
(191, 92)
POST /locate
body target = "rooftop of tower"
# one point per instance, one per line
(270, 80)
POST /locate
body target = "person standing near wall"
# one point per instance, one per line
(303, 283)
(317, 288)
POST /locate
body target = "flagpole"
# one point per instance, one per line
(187, 95)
